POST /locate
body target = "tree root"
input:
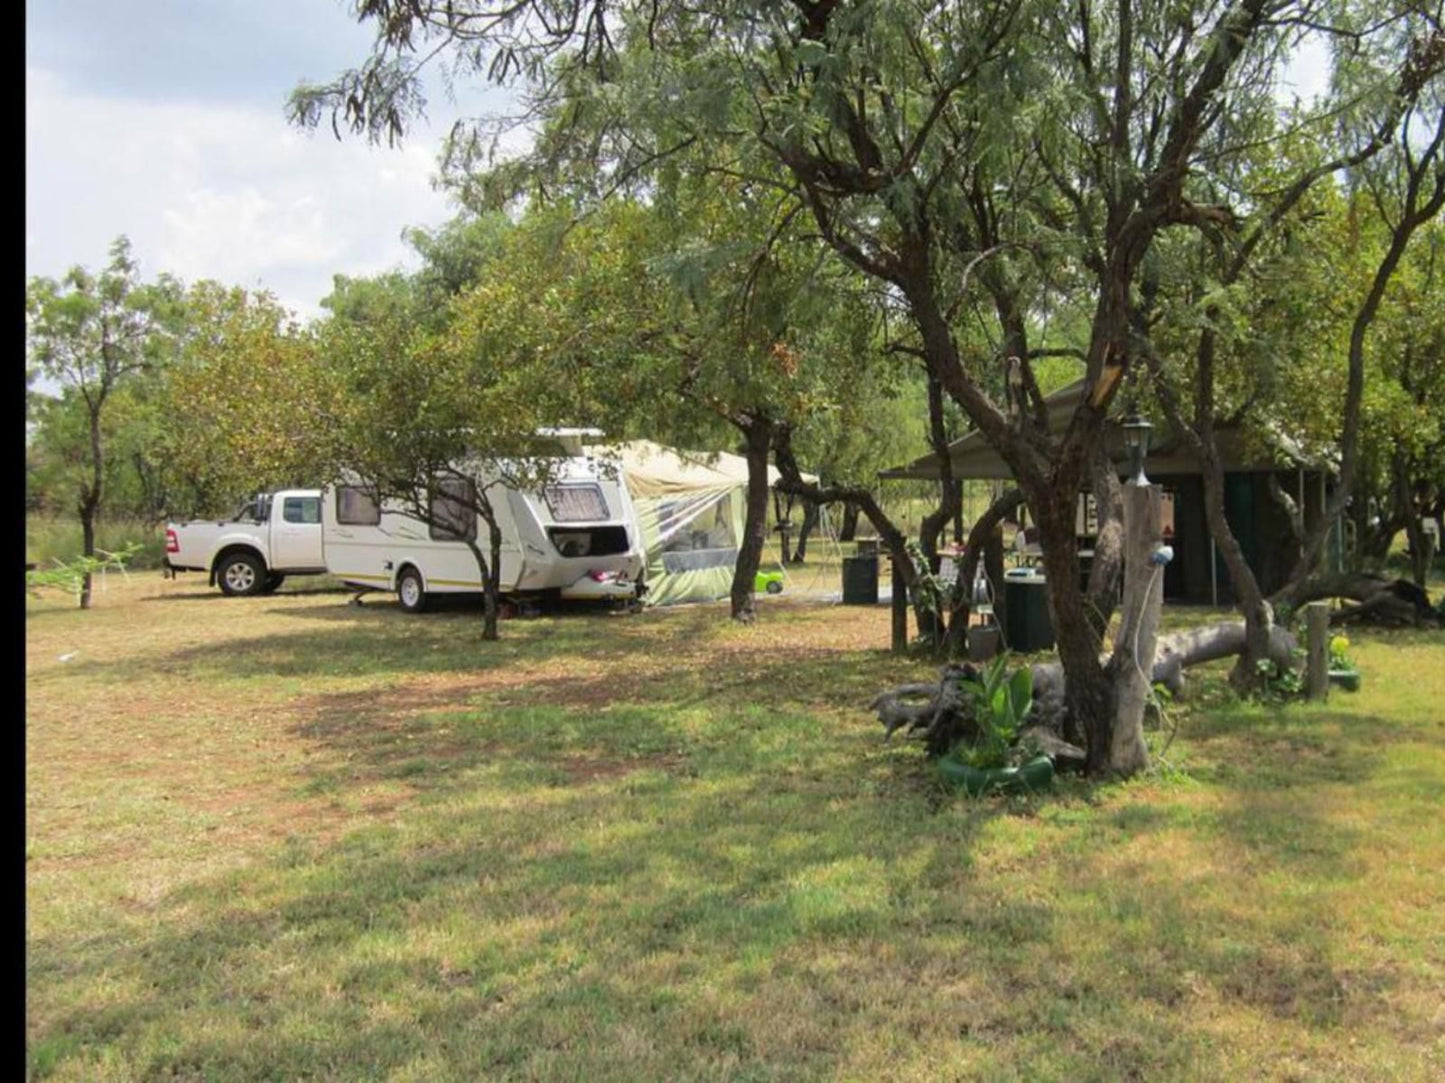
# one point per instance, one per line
(940, 714)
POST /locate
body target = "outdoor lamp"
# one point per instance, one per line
(1136, 439)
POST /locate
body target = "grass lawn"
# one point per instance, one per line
(284, 838)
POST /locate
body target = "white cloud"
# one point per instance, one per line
(215, 191)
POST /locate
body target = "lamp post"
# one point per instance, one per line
(1136, 439)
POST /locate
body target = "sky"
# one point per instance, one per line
(164, 120)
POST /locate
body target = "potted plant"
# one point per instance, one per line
(1343, 670)
(996, 761)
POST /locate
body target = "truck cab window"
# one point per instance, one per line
(253, 512)
(301, 509)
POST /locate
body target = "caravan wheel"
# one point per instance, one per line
(410, 592)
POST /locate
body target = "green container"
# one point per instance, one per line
(1348, 679)
(1027, 626)
(860, 580)
(1037, 774)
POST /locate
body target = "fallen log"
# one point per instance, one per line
(1396, 603)
(940, 713)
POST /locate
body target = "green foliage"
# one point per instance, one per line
(1339, 654)
(70, 576)
(57, 538)
(249, 404)
(105, 340)
(929, 593)
(1280, 682)
(1001, 703)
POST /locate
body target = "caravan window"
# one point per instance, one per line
(452, 517)
(576, 503)
(356, 506)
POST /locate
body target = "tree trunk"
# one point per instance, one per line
(1409, 511)
(949, 493)
(849, 530)
(1422, 550)
(810, 523)
(932, 709)
(1249, 598)
(1103, 588)
(87, 547)
(1089, 693)
(758, 432)
(1257, 612)
(986, 532)
(1387, 601)
(993, 572)
(493, 580)
(1133, 660)
(491, 576)
(90, 498)
(889, 535)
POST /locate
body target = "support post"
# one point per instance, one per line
(1317, 666)
(1213, 575)
(899, 604)
(1139, 627)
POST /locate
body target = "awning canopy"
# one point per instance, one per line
(654, 470)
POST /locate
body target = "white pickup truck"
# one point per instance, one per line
(271, 537)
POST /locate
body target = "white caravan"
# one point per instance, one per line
(576, 539)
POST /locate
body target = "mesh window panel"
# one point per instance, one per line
(576, 503)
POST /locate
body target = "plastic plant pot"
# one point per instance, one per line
(1348, 679)
(1037, 774)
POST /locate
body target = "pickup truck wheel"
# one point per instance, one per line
(273, 583)
(241, 575)
(410, 592)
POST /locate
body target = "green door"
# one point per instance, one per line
(1239, 513)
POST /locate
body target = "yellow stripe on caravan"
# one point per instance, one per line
(358, 575)
(454, 582)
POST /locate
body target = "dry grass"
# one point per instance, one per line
(287, 838)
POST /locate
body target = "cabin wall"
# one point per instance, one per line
(1259, 524)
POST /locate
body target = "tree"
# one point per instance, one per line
(441, 417)
(244, 401)
(979, 163)
(1237, 330)
(1402, 455)
(94, 335)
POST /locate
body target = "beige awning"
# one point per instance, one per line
(654, 470)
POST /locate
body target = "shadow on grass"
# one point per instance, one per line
(384, 641)
(572, 914)
(214, 594)
(617, 872)
(755, 902)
